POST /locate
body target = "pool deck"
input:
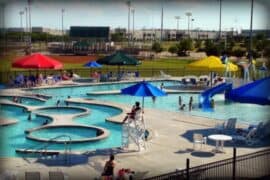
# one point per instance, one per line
(167, 150)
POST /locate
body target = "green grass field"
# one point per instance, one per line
(147, 68)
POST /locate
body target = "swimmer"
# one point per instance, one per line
(182, 107)
(57, 103)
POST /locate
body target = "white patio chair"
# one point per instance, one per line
(228, 126)
(248, 139)
(199, 139)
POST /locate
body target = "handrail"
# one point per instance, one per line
(45, 145)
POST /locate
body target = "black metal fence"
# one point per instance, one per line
(250, 166)
(6, 76)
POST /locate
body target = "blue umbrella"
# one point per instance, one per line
(143, 89)
(93, 64)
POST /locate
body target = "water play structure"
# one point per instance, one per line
(205, 97)
(256, 92)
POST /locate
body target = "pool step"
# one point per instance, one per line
(34, 151)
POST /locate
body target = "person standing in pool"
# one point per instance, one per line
(58, 103)
(180, 101)
(161, 86)
(154, 99)
(212, 103)
(67, 103)
(190, 103)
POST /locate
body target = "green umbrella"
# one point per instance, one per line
(119, 59)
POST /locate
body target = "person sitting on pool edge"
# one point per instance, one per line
(133, 112)
(108, 171)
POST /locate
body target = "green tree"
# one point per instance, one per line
(184, 46)
(239, 52)
(212, 48)
(156, 47)
(198, 44)
(117, 37)
(173, 49)
(266, 53)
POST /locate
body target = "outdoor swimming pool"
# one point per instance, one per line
(14, 136)
(25, 100)
(247, 113)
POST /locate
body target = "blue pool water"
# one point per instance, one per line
(25, 100)
(14, 136)
(60, 110)
(74, 133)
(247, 113)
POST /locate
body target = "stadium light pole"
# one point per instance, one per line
(3, 5)
(161, 26)
(26, 19)
(21, 21)
(177, 22)
(30, 27)
(191, 25)
(220, 13)
(250, 32)
(133, 23)
(188, 14)
(62, 13)
(177, 25)
(128, 33)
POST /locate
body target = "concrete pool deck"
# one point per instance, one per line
(166, 151)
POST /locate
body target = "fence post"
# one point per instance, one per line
(234, 163)
(187, 168)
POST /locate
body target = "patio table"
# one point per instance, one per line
(219, 138)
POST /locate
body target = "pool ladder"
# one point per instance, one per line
(43, 149)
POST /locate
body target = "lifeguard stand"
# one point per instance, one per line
(134, 132)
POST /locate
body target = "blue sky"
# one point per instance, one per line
(113, 13)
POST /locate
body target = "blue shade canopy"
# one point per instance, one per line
(93, 64)
(257, 92)
(143, 89)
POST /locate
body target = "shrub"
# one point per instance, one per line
(156, 47)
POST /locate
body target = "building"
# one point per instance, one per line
(173, 34)
(37, 30)
(96, 34)
(266, 32)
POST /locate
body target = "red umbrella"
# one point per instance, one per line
(37, 61)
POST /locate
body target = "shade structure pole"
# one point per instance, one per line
(143, 113)
(142, 102)
(118, 72)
